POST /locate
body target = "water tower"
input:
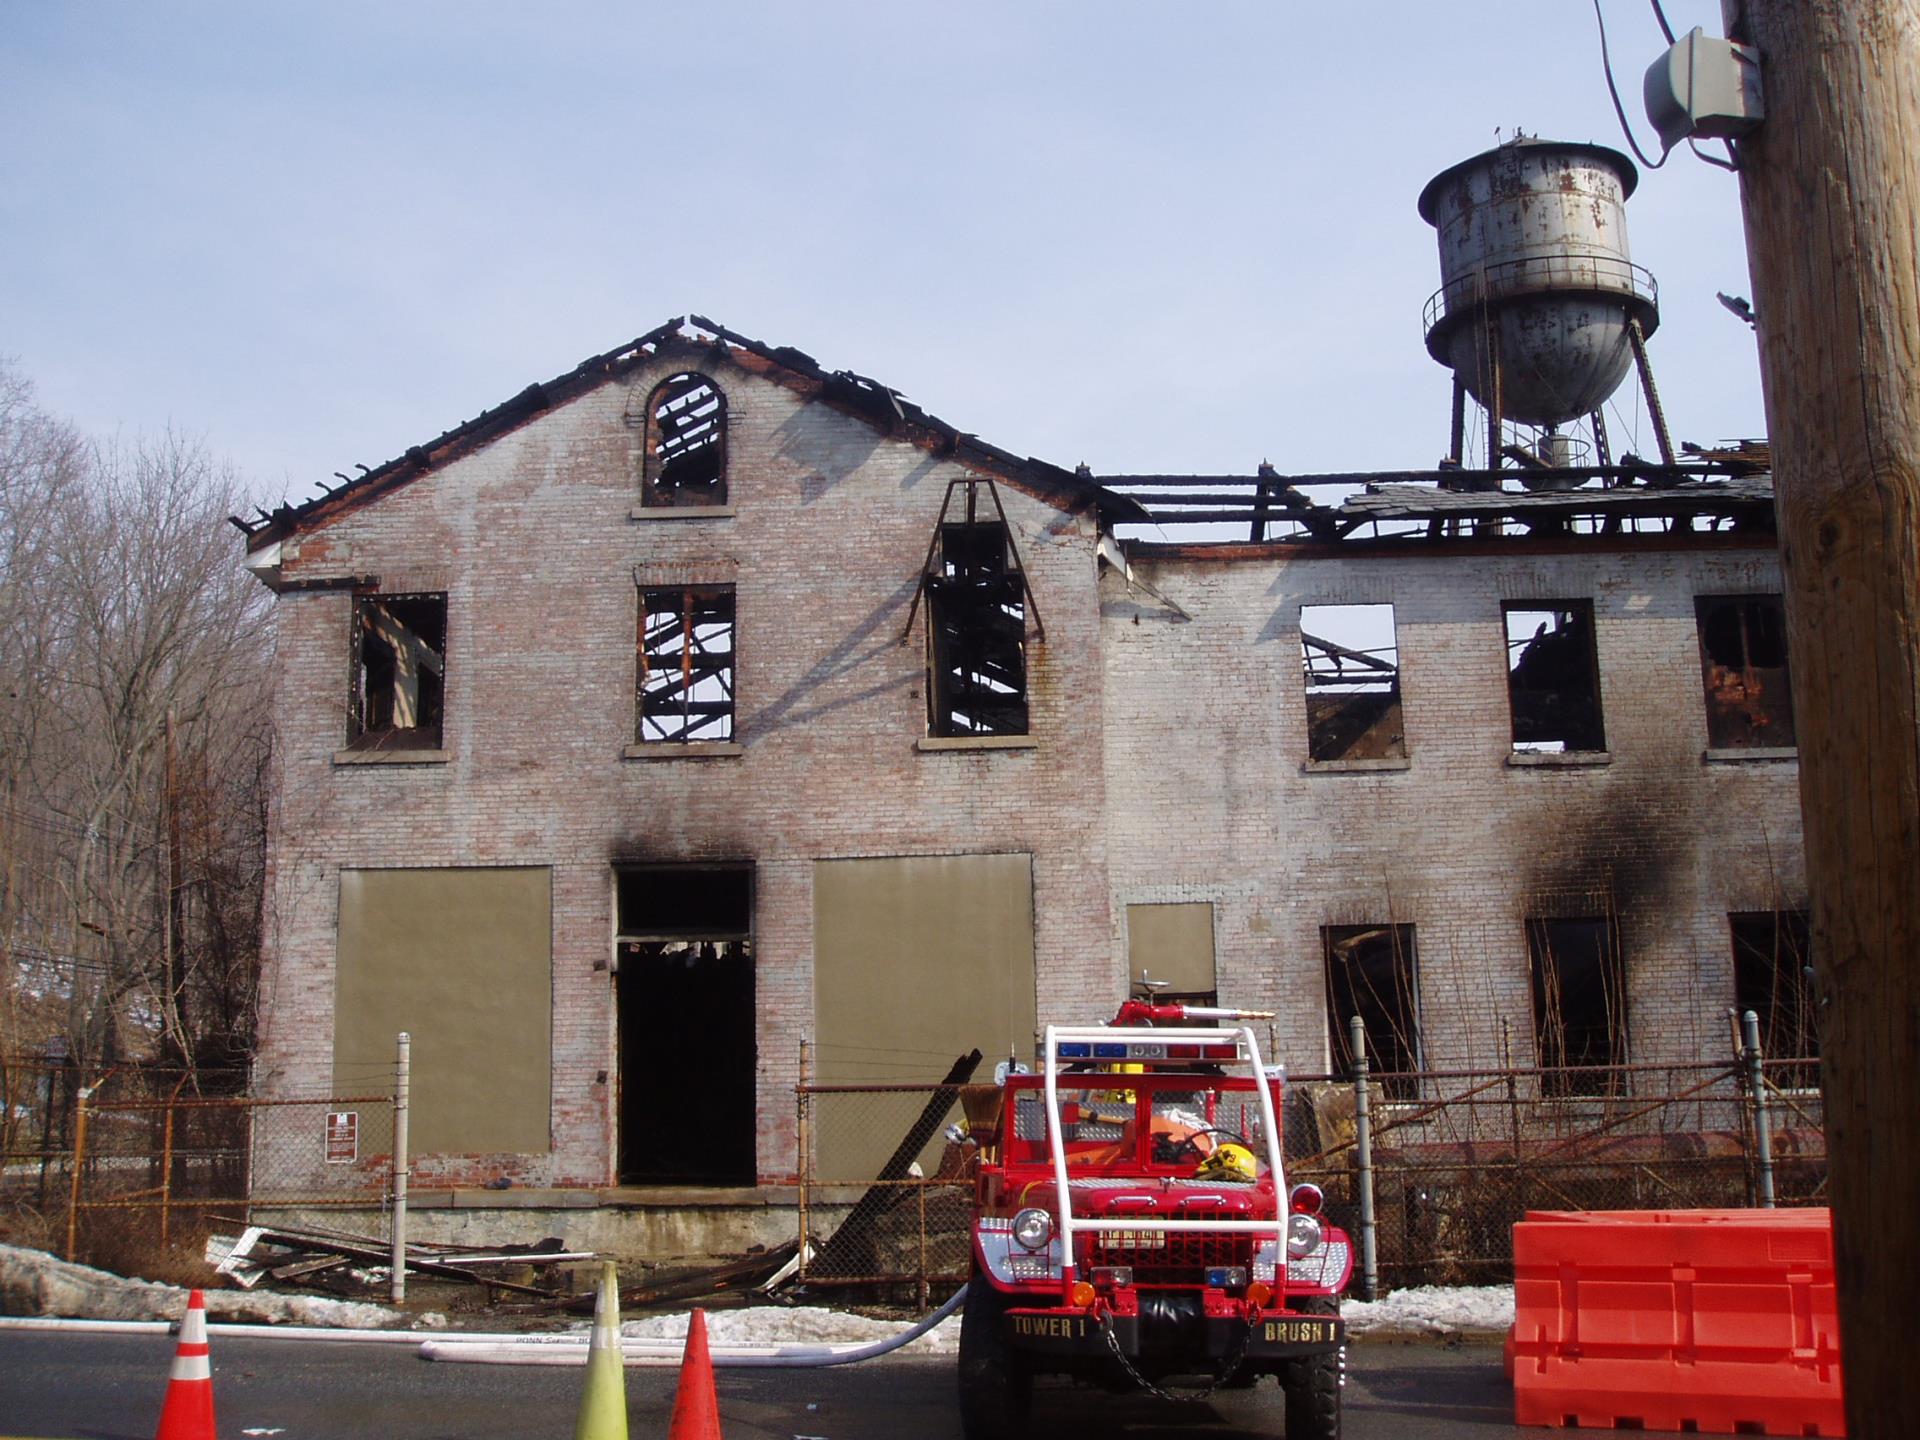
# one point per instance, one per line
(1541, 311)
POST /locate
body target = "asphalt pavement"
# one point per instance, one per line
(73, 1387)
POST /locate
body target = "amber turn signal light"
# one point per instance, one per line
(1081, 1295)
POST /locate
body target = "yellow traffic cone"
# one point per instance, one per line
(603, 1404)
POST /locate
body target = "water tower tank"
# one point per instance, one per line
(1536, 277)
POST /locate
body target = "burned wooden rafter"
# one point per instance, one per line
(684, 657)
(686, 441)
(972, 483)
(1729, 486)
(306, 1254)
(976, 630)
(1353, 694)
(397, 685)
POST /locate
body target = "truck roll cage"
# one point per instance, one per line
(1126, 1042)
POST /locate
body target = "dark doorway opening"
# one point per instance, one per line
(685, 990)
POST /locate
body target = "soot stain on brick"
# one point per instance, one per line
(1620, 850)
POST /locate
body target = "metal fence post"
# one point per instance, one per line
(402, 1074)
(1762, 1118)
(1363, 1155)
(81, 1096)
(166, 1170)
(803, 1140)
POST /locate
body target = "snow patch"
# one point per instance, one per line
(33, 1282)
(1433, 1310)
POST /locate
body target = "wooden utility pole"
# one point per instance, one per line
(1831, 187)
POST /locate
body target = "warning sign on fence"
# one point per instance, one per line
(343, 1137)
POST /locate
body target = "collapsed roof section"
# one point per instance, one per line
(878, 405)
(1723, 491)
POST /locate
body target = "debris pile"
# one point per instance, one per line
(341, 1262)
(533, 1277)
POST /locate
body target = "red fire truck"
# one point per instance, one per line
(1129, 1231)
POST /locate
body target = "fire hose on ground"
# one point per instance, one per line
(572, 1350)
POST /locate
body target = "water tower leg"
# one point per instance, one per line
(1638, 339)
(1456, 453)
(1494, 403)
(1602, 450)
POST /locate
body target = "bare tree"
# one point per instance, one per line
(136, 742)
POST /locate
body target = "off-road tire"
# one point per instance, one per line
(996, 1387)
(1312, 1383)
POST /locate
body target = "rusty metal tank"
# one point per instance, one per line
(1536, 277)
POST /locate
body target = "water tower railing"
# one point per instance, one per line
(1529, 276)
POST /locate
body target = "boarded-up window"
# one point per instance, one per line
(916, 961)
(976, 634)
(1170, 950)
(1352, 662)
(461, 959)
(1553, 676)
(1743, 664)
(685, 665)
(1772, 951)
(686, 459)
(1579, 1004)
(1373, 972)
(398, 679)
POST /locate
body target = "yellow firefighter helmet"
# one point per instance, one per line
(1229, 1162)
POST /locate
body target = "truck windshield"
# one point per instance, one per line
(1152, 1123)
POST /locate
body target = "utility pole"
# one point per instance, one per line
(1830, 183)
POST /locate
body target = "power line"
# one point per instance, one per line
(1606, 63)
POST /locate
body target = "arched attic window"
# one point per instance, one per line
(686, 454)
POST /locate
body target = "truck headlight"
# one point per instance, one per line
(1303, 1236)
(1033, 1228)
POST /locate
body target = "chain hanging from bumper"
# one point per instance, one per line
(1182, 1396)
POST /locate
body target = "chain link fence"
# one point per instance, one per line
(1466, 1154)
(1456, 1159)
(143, 1159)
(885, 1191)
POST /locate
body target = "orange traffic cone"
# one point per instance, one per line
(188, 1411)
(696, 1406)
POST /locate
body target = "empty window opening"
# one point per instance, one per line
(685, 679)
(399, 672)
(977, 634)
(1553, 676)
(1743, 663)
(1773, 977)
(686, 459)
(1579, 1005)
(685, 993)
(1352, 662)
(1373, 972)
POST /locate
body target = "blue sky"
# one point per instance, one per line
(1148, 237)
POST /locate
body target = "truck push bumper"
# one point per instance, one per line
(1277, 1335)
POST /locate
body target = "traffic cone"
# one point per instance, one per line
(696, 1406)
(603, 1404)
(188, 1411)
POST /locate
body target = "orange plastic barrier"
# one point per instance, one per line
(1715, 1321)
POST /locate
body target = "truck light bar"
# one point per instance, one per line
(1145, 1050)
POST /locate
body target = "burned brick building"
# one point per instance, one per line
(701, 702)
